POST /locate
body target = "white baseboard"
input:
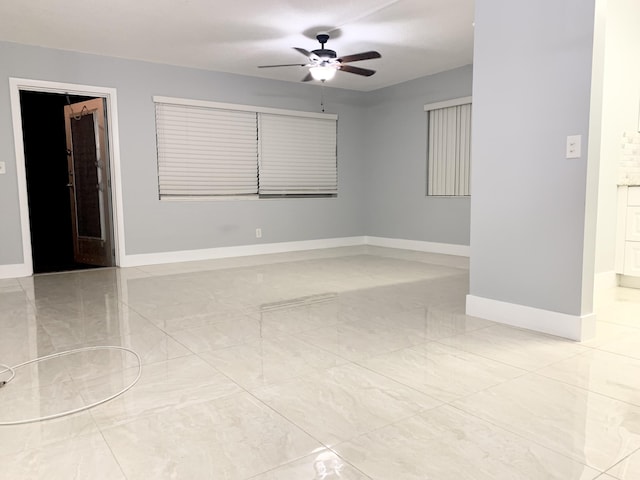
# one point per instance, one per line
(14, 271)
(20, 270)
(574, 327)
(419, 245)
(237, 251)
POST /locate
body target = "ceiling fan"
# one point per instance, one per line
(324, 63)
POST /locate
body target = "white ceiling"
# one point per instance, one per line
(415, 37)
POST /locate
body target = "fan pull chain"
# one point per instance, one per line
(322, 96)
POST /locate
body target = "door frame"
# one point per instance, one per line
(16, 85)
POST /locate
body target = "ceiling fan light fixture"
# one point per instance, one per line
(323, 72)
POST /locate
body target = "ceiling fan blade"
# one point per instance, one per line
(307, 78)
(357, 70)
(304, 52)
(356, 57)
(310, 55)
(284, 65)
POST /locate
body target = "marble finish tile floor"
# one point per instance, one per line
(353, 363)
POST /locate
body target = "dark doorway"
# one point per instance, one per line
(48, 183)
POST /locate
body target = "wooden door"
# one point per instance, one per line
(88, 167)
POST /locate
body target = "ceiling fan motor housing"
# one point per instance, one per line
(325, 53)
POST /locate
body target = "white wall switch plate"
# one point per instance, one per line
(3, 168)
(574, 143)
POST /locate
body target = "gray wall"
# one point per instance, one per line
(532, 80)
(381, 160)
(396, 162)
(155, 226)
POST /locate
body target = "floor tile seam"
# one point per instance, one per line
(284, 417)
(596, 392)
(506, 428)
(322, 348)
(633, 327)
(582, 389)
(324, 447)
(482, 355)
(80, 301)
(386, 321)
(297, 332)
(410, 387)
(523, 373)
(334, 448)
(113, 454)
(314, 370)
(293, 380)
(48, 444)
(452, 347)
(618, 463)
(158, 411)
(328, 446)
(602, 349)
(233, 344)
(591, 350)
(135, 367)
(71, 379)
(570, 357)
(437, 339)
(76, 385)
(103, 342)
(66, 383)
(172, 331)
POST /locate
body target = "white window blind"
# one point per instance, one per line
(449, 149)
(206, 151)
(297, 155)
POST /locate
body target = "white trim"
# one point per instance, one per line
(21, 175)
(573, 327)
(454, 102)
(419, 245)
(21, 270)
(238, 251)
(244, 108)
(14, 271)
(18, 84)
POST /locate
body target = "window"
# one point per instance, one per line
(208, 150)
(297, 156)
(449, 147)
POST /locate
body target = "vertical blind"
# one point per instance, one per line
(206, 151)
(297, 155)
(449, 151)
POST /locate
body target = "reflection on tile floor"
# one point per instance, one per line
(349, 363)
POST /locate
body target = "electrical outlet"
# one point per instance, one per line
(573, 146)
(3, 168)
(258, 233)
